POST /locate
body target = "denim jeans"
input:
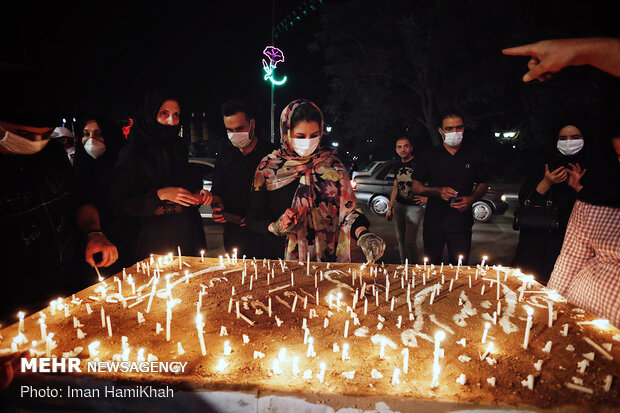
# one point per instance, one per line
(406, 222)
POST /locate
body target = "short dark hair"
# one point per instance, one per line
(306, 112)
(400, 138)
(449, 114)
(234, 106)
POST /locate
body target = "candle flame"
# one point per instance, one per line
(529, 310)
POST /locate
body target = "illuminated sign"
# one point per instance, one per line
(275, 56)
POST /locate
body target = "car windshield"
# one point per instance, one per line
(369, 166)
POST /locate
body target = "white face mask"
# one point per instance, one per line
(240, 139)
(453, 138)
(94, 148)
(570, 146)
(21, 146)
(305, 147)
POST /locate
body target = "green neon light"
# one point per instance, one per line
(275, 56)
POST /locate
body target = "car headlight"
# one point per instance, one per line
(503, 198)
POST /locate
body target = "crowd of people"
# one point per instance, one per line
(115, 200)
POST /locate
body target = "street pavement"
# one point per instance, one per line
(496, 238)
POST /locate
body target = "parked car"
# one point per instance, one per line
(373, 187)
(204, 167)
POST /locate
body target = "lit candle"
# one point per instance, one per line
(484, 259)
(530, 311)
(425, 261)
(221, 261)
(48, 345)
(43, 328)
(53, 307)
(21, 321)
(345, 351)
(202, 255)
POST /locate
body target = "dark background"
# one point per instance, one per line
(379, 69)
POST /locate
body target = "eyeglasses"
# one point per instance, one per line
(31, 136)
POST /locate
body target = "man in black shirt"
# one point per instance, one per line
(447, 174)
(406, 209)
(234, 172)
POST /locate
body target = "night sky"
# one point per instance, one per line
(106, 55)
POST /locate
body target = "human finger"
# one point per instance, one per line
(524, 50)
(532, 63)
(536, 72)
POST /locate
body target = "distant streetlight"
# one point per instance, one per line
(335, 144)
(328, 129)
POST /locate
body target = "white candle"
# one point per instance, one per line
(53, 307)
(406, 267)
(365, 306)
(405, 354)
(346, 328)
(202, 255)
(269, 306)
(345, 351)
(484, 260)
(148, 307)
(308, 264)
(550, 314)
(294, 303)
(109, 326)
(43, 328)
(530, 311)
(487, 326)
(439, 336)
(425, 261)
(21, 321)
(168, 319)
(323, 366)
(102, 317)
(221, 261)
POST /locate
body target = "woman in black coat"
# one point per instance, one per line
(96, 152)
(536, 252)
(153, 182)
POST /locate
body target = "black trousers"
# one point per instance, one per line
(459, 243)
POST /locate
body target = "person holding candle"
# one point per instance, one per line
(96, 153)
(40, 218)
(152, 181)
(303, 197)
(232, 181)
(538, 249)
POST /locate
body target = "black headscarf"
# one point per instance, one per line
(146, 130)
(161, 143)
(113, 139)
